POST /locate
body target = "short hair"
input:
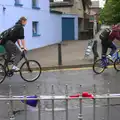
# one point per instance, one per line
(23, 18)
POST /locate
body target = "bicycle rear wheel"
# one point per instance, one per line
(30, 70)
(2, 73)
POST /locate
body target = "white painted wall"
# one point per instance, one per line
(49, 24)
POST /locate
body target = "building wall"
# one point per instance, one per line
(77, 8)
(49, 24)
(96, 10)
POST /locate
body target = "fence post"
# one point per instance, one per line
(66, 107)
(59, 54)
(108, 103)
(25, 101)
(12, 117)
(53, 93)
(94, 102)
(80, 117)
(39, 102)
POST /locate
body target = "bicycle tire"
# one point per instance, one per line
(109, 61)
(35, 70)
(115, 64)
(94, 65)
(4, 76)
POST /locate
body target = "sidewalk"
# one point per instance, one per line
(72, 55)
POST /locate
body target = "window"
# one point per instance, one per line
(18, 3)
(35, 4)
(35, 28)
(58, 0)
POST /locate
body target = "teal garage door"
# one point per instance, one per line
(68, 32)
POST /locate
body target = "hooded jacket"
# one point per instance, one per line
(115, 33)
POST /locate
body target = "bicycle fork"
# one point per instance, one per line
(28, 66)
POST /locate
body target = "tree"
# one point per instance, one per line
(110, 14)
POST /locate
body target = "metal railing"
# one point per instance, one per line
(10, 102)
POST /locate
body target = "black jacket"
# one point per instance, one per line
(13, 34)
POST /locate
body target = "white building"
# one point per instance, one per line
(43, 28)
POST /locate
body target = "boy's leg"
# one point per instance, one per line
(94, 49)
(104, 49)
(113, 48)
(8, 49)
(17, 53)
(12, 49)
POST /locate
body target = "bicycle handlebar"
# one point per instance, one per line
(23, 52)
(23, 49)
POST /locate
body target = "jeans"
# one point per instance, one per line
(94, 49)
(12, 49)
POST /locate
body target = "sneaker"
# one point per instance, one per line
(110, 57)
(15, 68)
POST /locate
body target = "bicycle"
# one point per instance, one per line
(27, 67)
(105, 62)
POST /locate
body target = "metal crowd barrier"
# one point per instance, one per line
(10, 100)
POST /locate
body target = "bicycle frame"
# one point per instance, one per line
(24, 68)
(116, 55)
(22, 56)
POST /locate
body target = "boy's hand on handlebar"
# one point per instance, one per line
(24, 48)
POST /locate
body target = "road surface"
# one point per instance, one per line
(73, 78)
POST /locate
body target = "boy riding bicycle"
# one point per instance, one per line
(9, 37)
(107, 37)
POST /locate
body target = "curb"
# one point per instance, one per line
(66, 67)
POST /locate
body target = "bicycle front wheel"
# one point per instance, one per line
(99, 66)
(117, 64)
(2, 73)
(30, 70)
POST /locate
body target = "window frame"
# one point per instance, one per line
(36, 6)
(18, 3)
(36, 25)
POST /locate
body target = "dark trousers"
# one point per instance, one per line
(94, 49)
(12, 49)
(108, 44)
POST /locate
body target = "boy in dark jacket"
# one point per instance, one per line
(10, 37)
(108, 38)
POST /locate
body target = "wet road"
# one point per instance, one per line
(73, 78)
